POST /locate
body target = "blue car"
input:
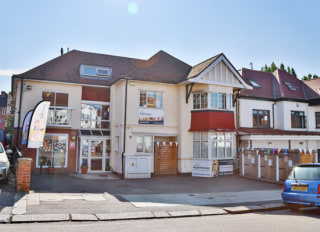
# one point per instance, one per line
(302, 188)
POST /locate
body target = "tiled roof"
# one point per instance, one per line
(197, 69)
(277, 85)
(161, 67)
(313, 89)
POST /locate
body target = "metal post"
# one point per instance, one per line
(259, 167)
(277, 168)
(242, 161)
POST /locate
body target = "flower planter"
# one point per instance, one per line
(50, 171)
(84, 170)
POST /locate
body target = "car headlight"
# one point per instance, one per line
(3, 164)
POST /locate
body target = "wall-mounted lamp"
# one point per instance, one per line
(269, 142)
(29, 87)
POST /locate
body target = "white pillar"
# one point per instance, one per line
(277, 168)
(242, 158)
(259, 167)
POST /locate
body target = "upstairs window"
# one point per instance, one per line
(95, 116)
(261, 118)
(59, 112)
(290, 85)
(203, 100)
(95, 72)
(151, 99)
(297, 119)
(317, 119)
(254, 84)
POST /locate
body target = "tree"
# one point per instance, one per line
(273, 67)
(315, 76)
(293, 73)
(9, 127)
(288, 69)
(282, 66)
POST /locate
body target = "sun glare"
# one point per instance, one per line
(133, 8)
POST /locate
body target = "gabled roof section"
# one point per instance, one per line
(277, 85)
(313, 88)
(290, 87)
(197, 69)
(268, 88)
(161, 67)
(65, 68)
(224, 73)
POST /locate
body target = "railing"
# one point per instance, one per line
(60, 116)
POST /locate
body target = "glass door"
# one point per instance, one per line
(96, 154)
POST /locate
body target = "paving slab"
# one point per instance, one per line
(83, 217)
(5, 218)
(243, 209)
(40, 218)
(19, 211)
(186, 213)
(212, 211)
(274, 206)
(161, 214)
(125, 215)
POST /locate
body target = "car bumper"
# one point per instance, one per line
(3, 173)
(306, 199)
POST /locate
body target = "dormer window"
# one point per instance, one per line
(290, 86)
(95, 72)
(254, 84)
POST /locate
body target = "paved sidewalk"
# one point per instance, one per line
(137, 199)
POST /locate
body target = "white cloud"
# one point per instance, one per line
(10, 72)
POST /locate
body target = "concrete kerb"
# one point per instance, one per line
(137, 215)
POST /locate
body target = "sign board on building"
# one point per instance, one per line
(225, 167)
(205, 168)
(151, 116)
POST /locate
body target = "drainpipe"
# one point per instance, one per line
(273, 114)
(19, 114)
(124, 127)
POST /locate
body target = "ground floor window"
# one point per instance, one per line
(144, 144)
(211, 145)
(54, 152)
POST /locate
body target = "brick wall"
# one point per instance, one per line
(24, 174)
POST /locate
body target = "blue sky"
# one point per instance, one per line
(257, 31)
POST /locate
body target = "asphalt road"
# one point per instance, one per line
(154, 185)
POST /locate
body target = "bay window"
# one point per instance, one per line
(212, 145)
(203, 100)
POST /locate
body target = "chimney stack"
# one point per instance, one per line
(61, 51)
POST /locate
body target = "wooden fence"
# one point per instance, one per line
(270, 165)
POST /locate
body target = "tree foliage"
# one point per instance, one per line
(9, 127)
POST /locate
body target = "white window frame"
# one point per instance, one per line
(54, 108)
(209, 101)
(210, 140)
(143, 152)
(66, 152)
(155, 99)
(4, 111)
(96, 103)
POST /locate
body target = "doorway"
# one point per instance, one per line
(165, 156)
(95, 152)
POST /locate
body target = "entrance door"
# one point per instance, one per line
(166, 159)
(95, 152)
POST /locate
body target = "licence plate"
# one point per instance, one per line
(299, 188)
